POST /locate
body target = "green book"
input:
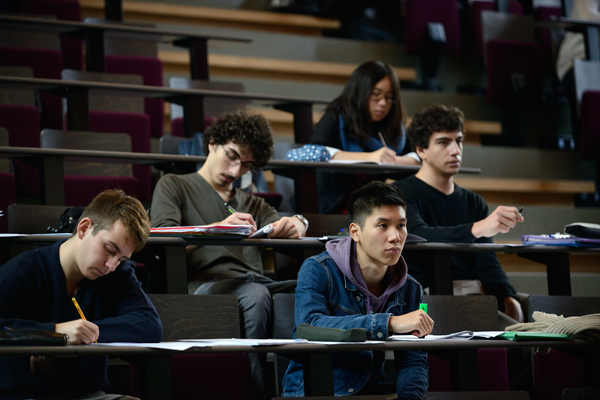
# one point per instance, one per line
(520, 336)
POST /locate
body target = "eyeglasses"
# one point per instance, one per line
(233, 160)
(376, 97)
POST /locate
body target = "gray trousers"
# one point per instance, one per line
(255, 294)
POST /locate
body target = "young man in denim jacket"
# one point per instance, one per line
(362, 282)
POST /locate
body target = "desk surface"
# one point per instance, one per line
(169, 94)
(155, 158)
(113, 29)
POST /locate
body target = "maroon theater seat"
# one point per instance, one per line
(477, 7)
(68, 10)
(23, 125)
(419, 13)
(45, 63)
(81, 190)
(203, 376)
(7, 197)
(137, 126)
(506, 57)
(151, 70)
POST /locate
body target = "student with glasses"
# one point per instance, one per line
(365, 123)
(234, 145)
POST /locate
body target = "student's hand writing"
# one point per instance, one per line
(79, 331)
(418, 323)
(239, 218)
(287, 228)
(383, 155)
(39, 363)
(501, 220)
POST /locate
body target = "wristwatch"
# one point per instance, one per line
(304, 221)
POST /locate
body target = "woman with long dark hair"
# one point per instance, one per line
(365, 123)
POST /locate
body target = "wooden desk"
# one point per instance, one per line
(315, 357)
(51, 170)
(95, 33)
(171, 250)
(76, 94)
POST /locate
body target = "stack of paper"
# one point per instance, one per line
(244, 230)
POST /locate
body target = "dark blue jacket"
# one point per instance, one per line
(33, 295)
(326, 297)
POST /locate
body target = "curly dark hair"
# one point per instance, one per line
(353, 103)
(373, 195)
(437, 118)
(252, 132)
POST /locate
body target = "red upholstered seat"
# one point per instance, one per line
(421, 12)
(45, 63)
(151, 70)
(203, 376)
(80, 190)
(138, 127)
(477, 7)
(69, 10)
(506, 57)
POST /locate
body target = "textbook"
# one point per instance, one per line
(560, 239)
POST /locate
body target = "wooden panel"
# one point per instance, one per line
(187, 316)
(255, 67)
(78, 140)
(457, 313)
(217, 17)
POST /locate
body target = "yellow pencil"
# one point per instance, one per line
(80, 312)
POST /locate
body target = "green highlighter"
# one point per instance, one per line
(423, 307)
(523, 336)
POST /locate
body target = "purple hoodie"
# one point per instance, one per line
(343, 253)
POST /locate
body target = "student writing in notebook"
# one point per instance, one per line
(234, 144)
(36, 292)
(366, 122)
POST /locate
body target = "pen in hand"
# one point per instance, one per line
(382, 140)
(230, 209)
(80, 312)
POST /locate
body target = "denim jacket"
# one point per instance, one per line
(326, 297)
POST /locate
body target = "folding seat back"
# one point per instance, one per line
(206, 376)
(475, 313)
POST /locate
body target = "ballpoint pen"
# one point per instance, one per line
(230, 209)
